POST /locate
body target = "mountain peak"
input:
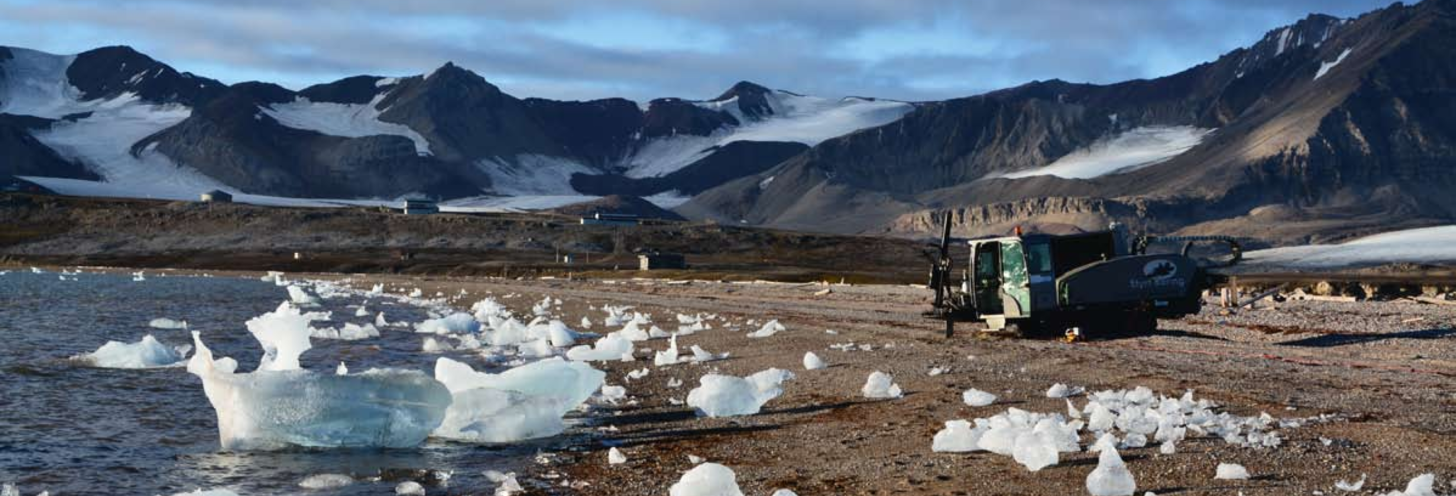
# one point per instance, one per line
(743, 89)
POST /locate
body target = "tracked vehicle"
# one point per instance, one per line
(1077, 285)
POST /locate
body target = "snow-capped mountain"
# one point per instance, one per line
(1324, 127)
(145, 130)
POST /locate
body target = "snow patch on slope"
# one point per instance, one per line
(343, 119)
(1425, 245)
(804, 119)
(1326, 66)
(35, 83)
(1131, 150)
(531, 174)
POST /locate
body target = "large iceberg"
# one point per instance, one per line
(282, 405)
(525, 402)
(145, 354)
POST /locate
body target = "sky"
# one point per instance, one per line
(643, 49)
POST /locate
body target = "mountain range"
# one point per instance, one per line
(1324, 128)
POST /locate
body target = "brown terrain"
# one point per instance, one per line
(1383, 369)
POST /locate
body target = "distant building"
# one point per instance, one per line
(605, 219)
(217, 196)
(658, 261)
(419, 206)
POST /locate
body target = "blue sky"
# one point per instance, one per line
(640, 49)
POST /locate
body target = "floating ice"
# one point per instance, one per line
(363, 311)
(325, 481)
(432, 345)
(769, 328)
(976, 397)
(615, 457)
(454, 323)
(1350, 486)
(350, 332)
(1060, 390)
(609, 347)
(880, 385)
(525, 402)
(409, 488)
(209, 492)
(728, 396)
(281, 405)
(284, 334)
(707, 479)
(379, 320)
(166, 323)
(341, 369)
(813, 362)
(957, 437)
(1231, 471)
(144, 354)
(301, 297)
(1111, 477)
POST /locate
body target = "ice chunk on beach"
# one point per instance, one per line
(1035, 450)
(278, 407)
(769, 328)
(459, 322)
(525, 402)
(1060, 390)
(325, 481)
(609, 347)
(783, 492)
(957, 437)
(727, 396)
(1230, 471)
(1350, 486)
(668, 356)
(144, 354)
(1111, 477)
(976, 397)
(707, 479)
(571, 382)
(615, 456)
(166, 323)
(1422, 485)
(813, 362)
(701, 355)
(880, 385)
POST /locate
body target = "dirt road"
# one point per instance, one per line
(1386, 369)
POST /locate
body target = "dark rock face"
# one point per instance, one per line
(24, 156)
(466, 118)
(673, 116)
(726, 163)
(752, 99)
(598, 131)
(356, 90)
(111, 71)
